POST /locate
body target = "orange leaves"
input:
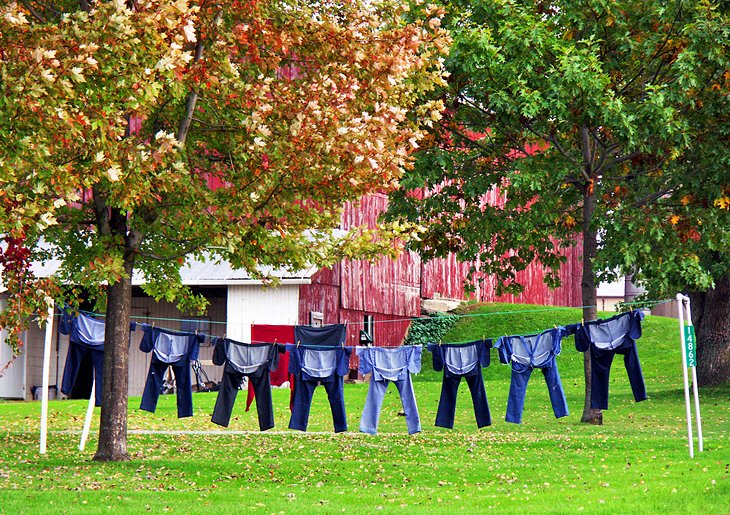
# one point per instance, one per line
(674, 219)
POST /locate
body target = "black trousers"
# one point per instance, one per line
(601, 368)
(447, 403)
(229, 390)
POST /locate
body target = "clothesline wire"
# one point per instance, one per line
(411, 319)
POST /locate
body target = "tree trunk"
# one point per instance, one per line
(588, 296)
(711, 317)
(113, 426)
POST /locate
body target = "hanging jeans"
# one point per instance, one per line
(86, 341)
(183, 385)
(229, 390)
(172, 349)
(462, 361)
(303, 393)
(311, 367)
(386, 366)
(77, 352)
(254, 361)
(604, 339)
(374, 402)
(518, 389)
(601, 367)
(526, 353)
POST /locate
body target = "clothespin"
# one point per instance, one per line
(439, 343)
(224, 336)
(298, 343)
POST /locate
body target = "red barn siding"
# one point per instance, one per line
(388, 286)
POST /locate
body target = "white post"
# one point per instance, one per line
(694, 385)
(46, 374)
(89, 413)
(680, 312)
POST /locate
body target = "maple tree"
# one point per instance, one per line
(588, 119)
(138, 134)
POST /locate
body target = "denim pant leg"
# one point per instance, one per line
(447, 402)
(408, 400)
(636, 378)
(153, 385)
(184, 387)
(264, 403)
(373, 403)
(303, 391)
(555, 389)
(600, 370)
(336, 395)
(227, 392)
(517, 392)
(97, 358)
(479, 398)
(71, 368)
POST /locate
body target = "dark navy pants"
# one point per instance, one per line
(76, 355)
(447, 404)
(601, 367)
(229, 390)
(518, 389)
(303, 392)
(183, 385)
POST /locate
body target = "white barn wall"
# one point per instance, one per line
(254, 304)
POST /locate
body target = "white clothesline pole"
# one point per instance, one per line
(683, 306)
(89, 413)
(695, 390)
(46, 374)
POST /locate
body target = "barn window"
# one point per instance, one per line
(316, 318)
(368, 329)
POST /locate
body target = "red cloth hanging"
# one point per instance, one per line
(263, 333)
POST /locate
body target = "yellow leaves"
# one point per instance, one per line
(13, 15)
(113, 172)
(189, 32)
(722, 202)
(686, 199)
(674, 219)
(76, 74)
(569, 221)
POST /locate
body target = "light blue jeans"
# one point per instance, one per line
(374, 403)
(518, 389)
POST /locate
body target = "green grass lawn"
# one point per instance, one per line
(637, 462)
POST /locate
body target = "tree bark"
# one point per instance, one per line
(711, 317)
(113, 424)
(588, 295)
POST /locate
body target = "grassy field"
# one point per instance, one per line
(637, 462)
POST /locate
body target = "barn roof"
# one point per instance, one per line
(204, 272)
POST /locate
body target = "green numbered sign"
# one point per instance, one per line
(690, 345)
